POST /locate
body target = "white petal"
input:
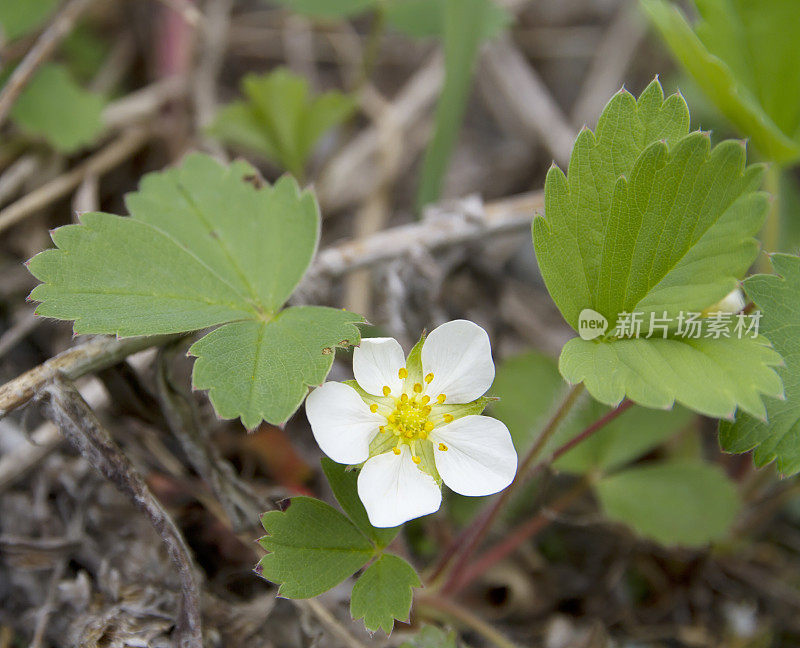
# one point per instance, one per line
(480, 458)
(733, 302)
(459, 355)
(394, 490)
(341, 422)
(376, 362)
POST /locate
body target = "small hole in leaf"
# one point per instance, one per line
(254, 179)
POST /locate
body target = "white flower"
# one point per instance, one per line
(415, 423)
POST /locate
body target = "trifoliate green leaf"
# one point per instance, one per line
(312, 548)
(280, 119)
(18, 17)
(528, 385)
(744, 56)
(204, 246)
(344, 484)
(432, 637)
(778, 438)
(710, 376)
(383, 593)
(329, 8)
(651, 220)
(53, 106)
(686, 503)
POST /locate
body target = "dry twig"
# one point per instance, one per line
(528, 98)
(76, 421)
(607, 70)
(97, 353)
(455, 227)
(102, 161)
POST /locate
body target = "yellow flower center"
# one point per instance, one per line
(409, 419)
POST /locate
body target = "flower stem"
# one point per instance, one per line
(524, 531)
(464, 574)
(516, 537)
(465, 617)
(591, 429)
(771, 233)
(469, 539)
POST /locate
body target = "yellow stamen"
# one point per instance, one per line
(404, 398)
(425, 399)
(392, 418)
(448, 418)
(416, 460)
(423, 435)
(426, 410)
(403, 373)
(386, 390)
(410, 435)
(442, 447)
(429, 378)
(383, 429)
(396, 450)
(373, 408)
(418, 388)
(428, 426)
(440, 398)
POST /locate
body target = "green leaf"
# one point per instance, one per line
(344, 485)
(154, 285)
(432, 637)
(652, 220)
(682, 232)
(54, 107)
(416, 18)
(312, 548)
(425, 18)
(219, 214)
(329, 8)
(383, 593)
(744, 56)
(262, 370)
(528, 385)
(467, 23)
(710, 376)
(280, 119)
(569, 239)
(18, 17)
(201, 247)
(85, 51)
(204, 246)
(778, 439)
(686, 503)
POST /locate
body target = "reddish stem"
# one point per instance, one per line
(461, 575)
(470, 539)
(591, 429)
(519, 535)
